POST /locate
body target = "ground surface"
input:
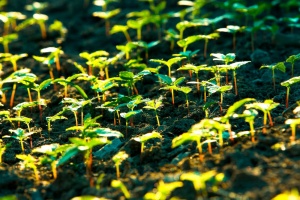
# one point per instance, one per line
(253, 170)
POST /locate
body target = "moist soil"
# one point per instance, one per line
(252, 170)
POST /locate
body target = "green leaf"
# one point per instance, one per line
(179, 81)
(126, 75)
(69, 153)
(130, 114)
(291, 81)
(165, 79)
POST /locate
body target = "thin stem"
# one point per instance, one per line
(13, 95)
(287, 97)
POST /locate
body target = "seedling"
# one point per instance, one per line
(184, 43)
(29, 162)
(163, 190)
(53, 118)
(277, 66)
(172, 36)
(146, 46)
(118, 184)
(118, 159)
(154, 105)
(266, 108)
(106, 15)
(224, 58)
(129, 80)
(123, 29)
(9, 20)
(196, 70)
(13, 58)
(233, 30)
(145, 137)
(126, 49)
(21, 135)
(170, 84)
(249, 116)
(293, 124)
(127, 116)
(6, 39)
(37, 18)
(181, 26)
(54, 52)
(138, 25)
(57, 26)
(168, 63)
(186, 91)
(101, 86)
(292, 59)
(206, 38)
(288, 84)
(2, 149)
(213, 88)
(36, 7)
(103, 3)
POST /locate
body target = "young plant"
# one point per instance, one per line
(266, 108)
(292, 59)
(6, 39)
(249, 116)
(90, 57)
(233, 30)
(163, 190)
(168, 63)
(154, 105)
(170, 84)
(184, 43)
(127, 116)
(126, 49)
(277, 66)
(54, 53)
(29, 162)
(288, 84)
(186, 91)
(9, 20)
(172, 36)
(138, 25)
(145, 137)
(37, 18)
(118, 184)
(293, 124)
(146, 46)
(107, 15)
(21, 135)
(53, 118)
(206, 38)
(224, 58)
(213, 88)
(123, 29)
(181, 26)
(2, 149)
(118, 159)
(13, 58)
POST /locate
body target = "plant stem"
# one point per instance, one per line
(252, 131)
(287, 97)
(13, 95)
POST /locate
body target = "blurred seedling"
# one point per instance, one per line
(3, 147)
(233, 30)
(118, 159)
(146, 46)
(57, 26)
(293, 124)
(277, 66)
(206, 38)
(154, 105)
(213, 88)
(57, 116)
(6, 39)
(163, 190)
(12, 58)
(184, 43)
(139, 23)
(123, 29)
(293, 194)
(224, 58)
(21, 135)
(172, 36)
(288, 84)
(107, 15)
(28, 161)
(119, 185)
(145, 137)
(36, 7)
(292, 59)
(186, 91)
(127, 116)
(9, 20)
(54, 53)
(126, 49)
(169, 63)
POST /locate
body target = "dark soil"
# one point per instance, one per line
(252, 170)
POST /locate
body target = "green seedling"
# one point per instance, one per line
(107, 15)
(196, 70)
(274, 28)
(36, 7)
(231, 113)
(172, 36)
(53, 118)
(206, 107)
(200, 181)
(154, 105)
(233, 30)
(249, 116)
(293, 194)
(118, 159)
(266, 108)
(119, 185)
(163, 190)
(102, 86)
(145, 137)
(170, 84)
(9, 20)
(90, 57)
(186, 91)
(54, 53)
(51, 153)
(277, 66)
(135, 65)
(129, 80)
(168, 63)
(252, 11)
(123, 29)
(206, 38)
(138, 25)
(195, 6)
(213, 88)
(292, 59)
(288, 84)
(85, 146)
(21, 135)
(28, 161)
(184, 43)
(69, 82)
(293, 124)
(3, 147)
(146, 46)
(126, 49)
(6, 39)
(37, 18)
(103, 3)
(257, 25)
(127, 116)
(224, 58)
(13, 58)
(57, 26)
(181, 26)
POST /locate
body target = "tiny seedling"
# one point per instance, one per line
(163, 190)
(181, 26)
(9, 20)
(277, 66)
(154, 105)
(3, 147)
(127, 116)
(57, 26)
(13, 58)
(20, 135)
(107, 15)
(90, 57)
(172, 36)
(146, 46)
(292, 59)
(233, 30)
(266, 108)
(123, 29)
(118, 159)
(127, 49)
(224, 58)
(54, 52)
(28, 161)
(168, 63)
(213, 88)
(102, 86)
(206, 38)
(36, 7)
(6, 39)
(53, 118)
(186, 91)
(119, 185)
(184, 43)
(145, 137)
(293, 124)
(138, 25)
(288, 84)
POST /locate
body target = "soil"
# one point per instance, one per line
(252, 170)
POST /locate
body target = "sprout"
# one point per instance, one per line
(118, 159)
(145, 137)
(106, 15)
(279, 66)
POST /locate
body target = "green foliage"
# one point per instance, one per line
(145, 137)
(277, 66)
